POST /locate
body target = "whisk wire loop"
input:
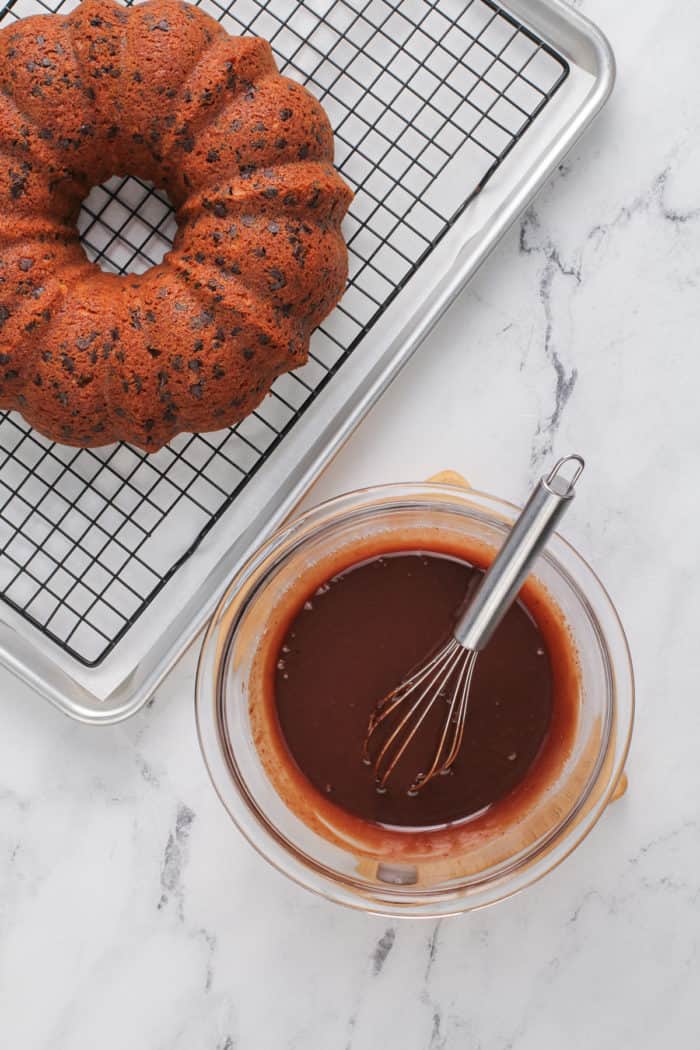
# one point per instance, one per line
(453, 728)
(440, 667)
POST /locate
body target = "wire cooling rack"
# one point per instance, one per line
(426, 100)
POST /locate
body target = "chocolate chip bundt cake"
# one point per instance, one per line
(162, 92)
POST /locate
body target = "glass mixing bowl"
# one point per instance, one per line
(378, 877)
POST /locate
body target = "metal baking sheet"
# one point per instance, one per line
(448, 119)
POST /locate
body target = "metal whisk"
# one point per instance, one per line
(447, 675)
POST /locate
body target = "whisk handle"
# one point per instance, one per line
(500, 585)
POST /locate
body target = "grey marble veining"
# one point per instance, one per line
(132, 914)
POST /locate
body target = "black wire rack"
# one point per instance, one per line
(426, 99)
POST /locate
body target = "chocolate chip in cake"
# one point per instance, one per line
(276, 280)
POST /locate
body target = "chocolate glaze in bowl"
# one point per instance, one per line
(439, 822)
(367, 865)
(349, 642)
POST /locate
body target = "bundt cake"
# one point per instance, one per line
(159, 91)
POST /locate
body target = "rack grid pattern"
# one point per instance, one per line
(426, 100)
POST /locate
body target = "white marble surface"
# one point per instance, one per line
(132, 915)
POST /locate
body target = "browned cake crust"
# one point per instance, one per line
(162, 92)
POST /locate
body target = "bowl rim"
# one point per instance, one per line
(273, 846)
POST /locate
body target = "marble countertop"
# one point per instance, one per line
(131, 912)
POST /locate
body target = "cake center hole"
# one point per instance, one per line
(126, 225)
